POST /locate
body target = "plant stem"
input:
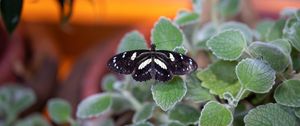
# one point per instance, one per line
(239, 95)
(135, 103)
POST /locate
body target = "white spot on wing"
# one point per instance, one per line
(171, 57)
(133, 56)
(181, 56)
(160, 63)
(123, 56)
(144, 64)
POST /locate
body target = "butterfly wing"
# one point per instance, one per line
(124, 63)
(162, 69)
(180, 64)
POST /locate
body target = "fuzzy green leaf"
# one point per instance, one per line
(263, 27)
(202, 35)
(108, 81)
(215, 114)
(184, 18)
(227, 45)
(195, 91)
(142, 124)
(16, 98)
(269, 115)
(283, 44)
(270, 53)
(180, 49)
(297, 112)
(275, 32)
(228, 8)
(179, 113)
(11, 12)
(220, 78)
(144, 113)
(33, 120)
(174, 123)
(247, 32)
(59, 110)
(120, 103)
(132, 41)
(288, 93)
(94, 106)
(292, 33)
(165, 35)
(166, 95)
(255, 75)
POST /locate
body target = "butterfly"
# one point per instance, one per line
(145, 64)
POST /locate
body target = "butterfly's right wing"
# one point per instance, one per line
(124, 63)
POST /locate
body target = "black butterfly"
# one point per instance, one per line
(144, 64)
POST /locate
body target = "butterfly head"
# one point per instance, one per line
(153, 47)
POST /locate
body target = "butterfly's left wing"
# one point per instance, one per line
(180, 64)
(124, 63)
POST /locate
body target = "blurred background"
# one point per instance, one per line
(61, 50)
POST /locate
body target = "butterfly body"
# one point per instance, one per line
(144, 65)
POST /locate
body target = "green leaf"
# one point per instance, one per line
(297, 14)
(275, 32)
(165, 35)
(215, 114)
(197, 6)
(120, 103)
(132, 41)
(247, 32)
(288, 93)
(11, 12)
(263, 27)
(255, 75)
(142, 124)
(144, 114)
(15, 98)
(283, 44)
(142, 91)
(270, 53)
(185, 17)
(202, 35)
(174, 123)
(195, 91)
(269, 115)
(107, 83)
(227, 45)
(297, 112)
(180, 49)
(166, 95)
(179, 113)
(94, 106)
(59, 110)
(228, 8)
(107, 122)
(293, 34)
(220, 78)
(33, 120)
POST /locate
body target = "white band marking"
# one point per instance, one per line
(144, 64)
(160, 63)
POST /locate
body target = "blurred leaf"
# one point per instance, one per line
(288, 12)
(297, 112)
(180, 49)
(142, 92)
(275, 32)
(132, 41)
(283, 44)
(227, 45)
(107, 122)
(297, 14)
(185, 17)
(292, 32)
(167, 94)
(288, 93)
(120, 103)
(145, 113)
(195, 91)
(184, 114)
(94, 106)
(220, 78)
(228, 8)
(215, 114)
(197, 6)
(15, 98)
(142, 124)
(165, 35)
(107, 83)
(66, 10)
(11, 12)
(256, 76)
(203, 34)
(270, 53)
(33, 120)
(263, 27)
(246, 31)
(59, 110)
(174, 123)
(269, 115)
